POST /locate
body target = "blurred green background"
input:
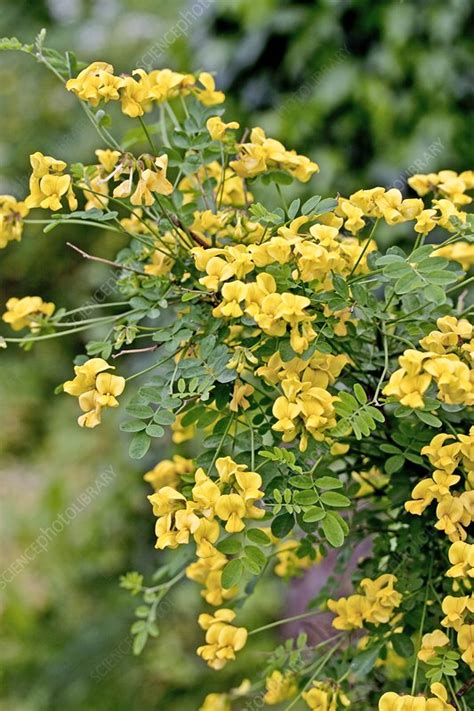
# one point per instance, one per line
(373, 92)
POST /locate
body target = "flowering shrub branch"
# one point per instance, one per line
(329, 384)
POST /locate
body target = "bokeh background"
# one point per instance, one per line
(373, 91)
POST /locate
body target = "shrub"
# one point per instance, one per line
(329, 387)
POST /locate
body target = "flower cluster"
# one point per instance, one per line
(455, 510)
(325, 695)
(437, 702)
(223, 639)
(262, 154)
(374, 605)
(29, 312)
(306, 405)
(139, 92)
(446, 360)
(95, 390)
(230, 499)
(49, 184)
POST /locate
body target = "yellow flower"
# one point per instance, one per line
(461, 557)
(208, 95)
(425, 221)
(324, 696)
(285, 413)
(455, 609)
(351, 612)
(48, 185)
(96, 82)
(168, 472)
(217, 128)
(28, 312)
(135, 94)
(391, 701)
(206, 493)
(95, 390)
(279, 687)
(205, 536)
(289, 565)
(465, 641)
(462, 252)
(241, 391)
(152, 181)
(12, 213)
(223, 640)
(430, 642)
(231, 508)
(216, 702)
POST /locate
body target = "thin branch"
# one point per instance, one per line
(149, 349)
(117, 265)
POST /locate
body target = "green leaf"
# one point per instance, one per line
(139, 642)
(259, 537)
(141, 411)
(164, 417)
(229, 546)
(306, 497)
(332, 498)
(315, 513)
(328, 482)
(133, 426)
(282, 525)
(155, 430)
(310, 205)
(364, 661)
(257, 557)
(403, 645)
(139, 445)
(360, 393)
(428, 418)
(333, 530)
(232, 573)
(394, 464)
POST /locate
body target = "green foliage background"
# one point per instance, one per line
(365, 89)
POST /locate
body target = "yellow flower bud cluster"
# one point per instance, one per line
(223, 639)
(139, 92)
(95, 390)
(447, 360)
(325, 695)
(375, 604)
(437, 702)
(12, 213)
(455, 510)
(29, 312)
(262, 154)
(49, 184)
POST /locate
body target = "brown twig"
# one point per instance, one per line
(117, 265)
(464, 689)
(150, 349)
(193, 235)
